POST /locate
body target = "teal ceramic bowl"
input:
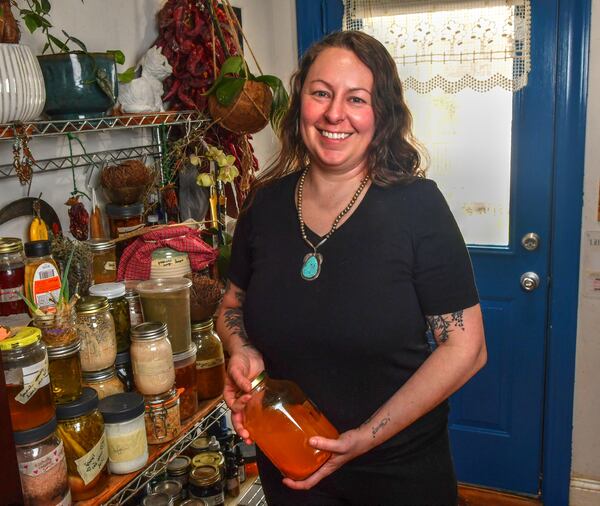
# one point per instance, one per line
(71, 88)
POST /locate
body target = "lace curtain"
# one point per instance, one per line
(450, 44)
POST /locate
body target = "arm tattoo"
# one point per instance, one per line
(234, 321)
(442, 324)
(381, 425)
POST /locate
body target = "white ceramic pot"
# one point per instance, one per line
(22, 91)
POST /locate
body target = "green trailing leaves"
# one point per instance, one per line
(118, 54)
(127, 76)
(229, 89)
(280, 100)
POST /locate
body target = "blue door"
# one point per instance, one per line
(497, 418)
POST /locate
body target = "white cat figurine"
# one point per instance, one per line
(144, 93)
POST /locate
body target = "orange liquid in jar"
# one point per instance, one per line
(35, 412)
(210, 381)
(282, 433)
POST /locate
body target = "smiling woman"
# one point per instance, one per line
(340, 301)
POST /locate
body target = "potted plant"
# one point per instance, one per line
(22, 95)
(79, 84)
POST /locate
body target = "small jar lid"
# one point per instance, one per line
(163, 285)
(117, 211)
(170, 487)
(24, 337)
(259, 379)
(91, 304)
(123, 358)
(204, 475)
(165, 399)
(179, 465)
(203, 326)
(157, 499)
(100, 244)
(208, 459)
(148, 330)
(101, 375)
(184, 355)
(200, 444)
(119, 408)
(25, 437)
(55, 352)
(108, 290)
(10, 245)
(86, 402)
(37, 248)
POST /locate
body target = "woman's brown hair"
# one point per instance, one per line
(394, 154)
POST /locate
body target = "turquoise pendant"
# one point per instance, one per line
(311, 266)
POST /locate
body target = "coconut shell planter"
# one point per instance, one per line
(126, 183)
(205, 296)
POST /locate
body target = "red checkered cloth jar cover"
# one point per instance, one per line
(136, 260)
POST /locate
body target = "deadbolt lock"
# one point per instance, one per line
(530, 241)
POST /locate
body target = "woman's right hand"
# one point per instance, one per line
(244, 365)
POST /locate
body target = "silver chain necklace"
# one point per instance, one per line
(311, 265)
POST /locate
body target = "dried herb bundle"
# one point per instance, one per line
(126, 174)
(80, 272)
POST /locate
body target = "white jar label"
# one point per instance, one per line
(110, 266)
(11, 294)
(34, 377)
(128, 446)
(46, 285)
(42, 465)
(156, 368)
(90, 465)
(207, 364)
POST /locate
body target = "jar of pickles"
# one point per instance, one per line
(42, 466)
(65, 372)
(96, 327)
(119, 309)
(12, 276)
(210, 360)
(81, 428)
(105, 382)
(104, 260)
(163, 423)
(25, 364)
(185, 378)
(152, 358)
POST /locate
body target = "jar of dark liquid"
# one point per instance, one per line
(12, 275)
(281, 420)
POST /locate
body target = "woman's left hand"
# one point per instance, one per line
(348, 446)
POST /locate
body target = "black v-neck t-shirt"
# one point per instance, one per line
(353, 336)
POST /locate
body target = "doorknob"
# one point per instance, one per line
(530, 241)
(530, 281)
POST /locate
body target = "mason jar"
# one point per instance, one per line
(210, 360)
(65, 372)
(152, 358)
(12, 276)
(96, 328)
(119, 309)
(105, 382)
(162, 419)
(104, 260)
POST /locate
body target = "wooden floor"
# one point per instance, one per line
(473, 496)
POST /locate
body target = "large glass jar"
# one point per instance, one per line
(65, 372)
(119, 309)
(210, 360)
(81, 428)
(25, 364)
(163, 422)
(104, 260)
(42, 276)
(105, 382)
(152, 358)
(12, 276)
(168, 300)
(42, 466)
(58, 329)
(124, 219)
(125, 432)
(185, 378)
(96, 328)
(281, 420)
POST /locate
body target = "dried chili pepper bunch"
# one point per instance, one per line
(79, 218)
(22, 158)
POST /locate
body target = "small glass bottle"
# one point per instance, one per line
(124, 371)
(81, 428)
(152, 358)
(105, 382)
(25, 364)
(42, 275)
(210, 360)
(42, 466)
(232, 478)
(12, 276)
(104, 260)
(96, 328)
(281, 420)
(119, 309)
(65, 372)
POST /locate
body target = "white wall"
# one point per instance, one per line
(585, 469)
(269, 25)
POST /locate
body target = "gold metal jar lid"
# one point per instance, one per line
(200, 444)
(203, 326)
(92, 304)
(149, 330)
(259, 379)
(179, 466)
(10, 245)
(209, 459)
(101, 375)
(204, 476)
(97, 245)
(56, 352)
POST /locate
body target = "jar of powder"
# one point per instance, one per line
(152, 358)
(96, 327)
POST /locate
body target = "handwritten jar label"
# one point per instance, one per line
(110, 266)
(90, 465)
(44, 464)
(11, 294)
(34, 377)
(211, 362)
(126, 447)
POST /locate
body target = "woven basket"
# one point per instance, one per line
(248, 113)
